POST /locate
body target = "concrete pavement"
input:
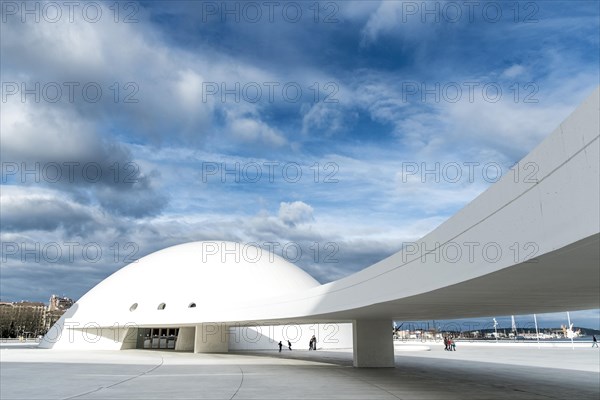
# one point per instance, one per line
(470, 373)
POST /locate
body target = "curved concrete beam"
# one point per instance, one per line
(530, 243)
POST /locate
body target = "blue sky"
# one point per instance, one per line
(315, 112)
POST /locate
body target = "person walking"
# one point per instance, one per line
(289, 345)
(314, 342)
(280, 346)
(595, 341)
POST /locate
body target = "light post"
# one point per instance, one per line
(570, 331)
(537, 332)
(496, 329)
(514, 327)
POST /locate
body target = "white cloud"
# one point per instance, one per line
(402, 18)
(384, 18)
(32, 131)
(255, 131)
(328, 118)
(513, 71)
(357, 10)
(35, 209)
(295, 213)
(166, 82)
(189, 87)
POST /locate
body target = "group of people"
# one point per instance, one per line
(449, 344)
(281, 345)
(311, 346)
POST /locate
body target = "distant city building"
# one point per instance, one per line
(31, 319)
(25, 318)
(56, 308)
(59, 303)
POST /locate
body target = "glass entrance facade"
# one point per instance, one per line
(157, 338)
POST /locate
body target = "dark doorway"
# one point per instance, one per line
(157, 338)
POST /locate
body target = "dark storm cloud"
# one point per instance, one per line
(39, 281)
(137, 201)
(20, 213)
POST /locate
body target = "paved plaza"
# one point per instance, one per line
(473, 372)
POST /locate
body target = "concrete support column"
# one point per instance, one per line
(130, 338)
(186, 339)
(211, 338)
(373, 343)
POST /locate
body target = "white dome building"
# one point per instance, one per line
(161, 300)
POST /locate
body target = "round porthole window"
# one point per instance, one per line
(133, 307)
(162, 306)
(192, 305)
